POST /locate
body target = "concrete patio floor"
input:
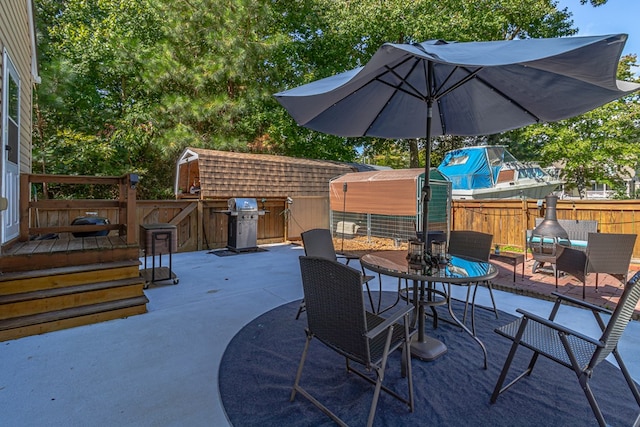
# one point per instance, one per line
(161, 368)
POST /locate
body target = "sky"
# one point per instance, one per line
(616, 16)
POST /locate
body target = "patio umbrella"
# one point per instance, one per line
(475, 88)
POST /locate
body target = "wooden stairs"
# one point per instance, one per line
(50, 285)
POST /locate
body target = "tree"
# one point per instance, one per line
(601, 146)
(128, 85)
(89, 110)
(336, 35)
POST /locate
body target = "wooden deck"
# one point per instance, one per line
(54, 284)
(66, 252)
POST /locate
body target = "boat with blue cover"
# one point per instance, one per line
(492, 172)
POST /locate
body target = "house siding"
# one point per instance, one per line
(16, 38)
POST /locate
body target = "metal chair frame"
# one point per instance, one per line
(337, 317)
(318, 242)
(570, 348)
(476, 245)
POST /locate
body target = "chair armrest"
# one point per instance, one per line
(389, 321)
(560, 328)
(348, 257)
(581, 303)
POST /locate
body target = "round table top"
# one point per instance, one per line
(456, 270)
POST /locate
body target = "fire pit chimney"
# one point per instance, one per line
(547, 236)
(550, 227)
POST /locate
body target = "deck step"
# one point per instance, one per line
(45, 272)
(29, 303)
(47, 279)
(48, 299)
(62, 319)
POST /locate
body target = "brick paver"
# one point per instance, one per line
(542, 284)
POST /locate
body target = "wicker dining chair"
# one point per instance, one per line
(476, 245)
(337, 317)
(319, 243)
(574, 350)
(606, 253)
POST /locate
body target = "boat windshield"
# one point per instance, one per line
(496, 155)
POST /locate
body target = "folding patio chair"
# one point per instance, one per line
(337, 317)
(572, 349)
(319, 243)
(475, 245)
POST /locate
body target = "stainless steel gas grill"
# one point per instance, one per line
(243, 224)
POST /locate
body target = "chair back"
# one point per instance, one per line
(335, 306)
(318, 243)
(619, 319)
(609, 253)
(471, 244)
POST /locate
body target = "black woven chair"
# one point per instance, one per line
(476, 245)
(606, 253)
(574, 350)
(337, 317)
(319, 243)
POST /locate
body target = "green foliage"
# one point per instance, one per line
(127, 85)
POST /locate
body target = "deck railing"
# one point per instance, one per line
(122, 211)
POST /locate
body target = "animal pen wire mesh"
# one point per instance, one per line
(387, 204)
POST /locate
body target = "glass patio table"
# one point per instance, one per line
(457, 270)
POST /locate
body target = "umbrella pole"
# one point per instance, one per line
(426, 188)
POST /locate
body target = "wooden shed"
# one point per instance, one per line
(294, 191)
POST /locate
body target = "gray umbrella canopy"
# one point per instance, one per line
(477, 88)
(474, 88)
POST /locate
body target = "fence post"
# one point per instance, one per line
(524, 225)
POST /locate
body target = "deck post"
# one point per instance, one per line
(25, 196)
(127, 209)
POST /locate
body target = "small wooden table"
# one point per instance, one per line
(511, 258)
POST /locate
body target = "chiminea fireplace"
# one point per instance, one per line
(548, 238)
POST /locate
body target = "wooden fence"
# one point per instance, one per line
(508, 220)
(201, 224)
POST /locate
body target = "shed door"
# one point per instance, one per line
(11, 149)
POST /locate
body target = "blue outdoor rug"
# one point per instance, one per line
(259, 366)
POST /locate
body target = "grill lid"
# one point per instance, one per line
(237, 204)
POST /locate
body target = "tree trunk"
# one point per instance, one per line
(414, 154)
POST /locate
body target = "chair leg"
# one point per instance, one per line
(507, 364)
(503, 374)
(300, 366)
(301, 308)
(466, 302)
(627, 376)
(583, 379)
(380, 375)
(407, 361)
(493, 300)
